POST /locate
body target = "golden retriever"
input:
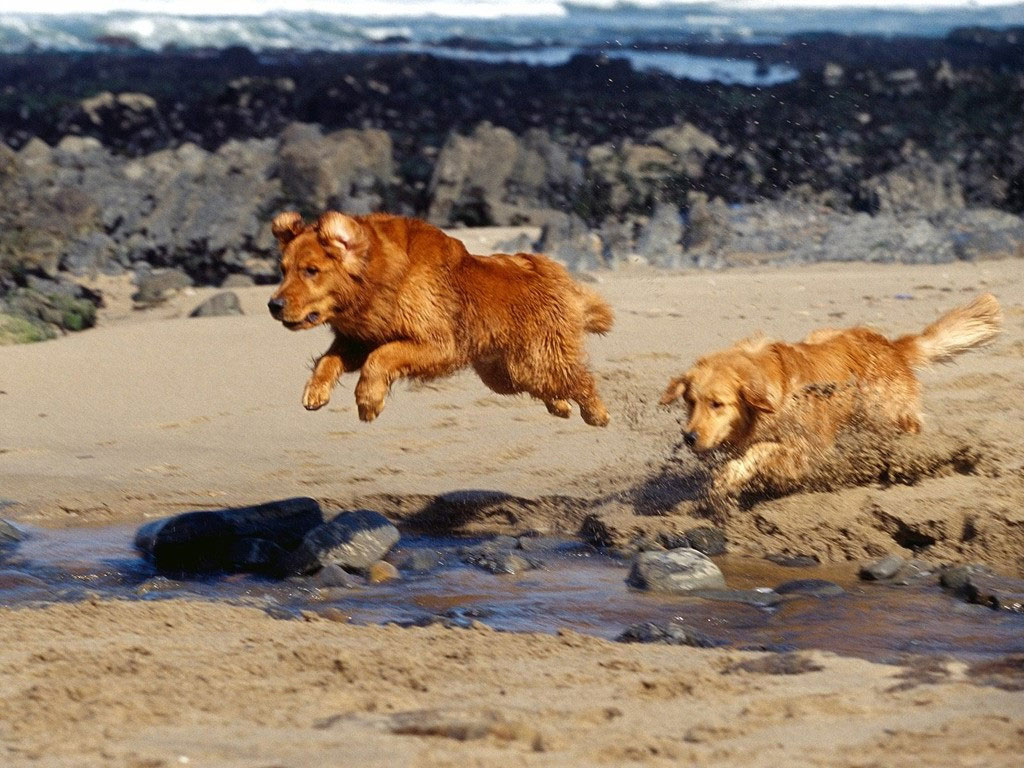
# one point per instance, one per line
(736, 398)
(406, 300)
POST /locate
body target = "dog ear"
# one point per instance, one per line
(676, 389)
(287, 226)
(342, 238)
(759, 394)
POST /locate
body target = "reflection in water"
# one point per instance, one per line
(577, 589)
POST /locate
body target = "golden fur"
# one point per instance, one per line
(406, 300)
(768, 408)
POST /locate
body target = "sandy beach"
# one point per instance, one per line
(154, 413)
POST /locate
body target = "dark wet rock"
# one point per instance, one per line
(794, 561)
(218, 305)
(676, 570)
(811, 587)
(776, 664)
(120, 120)
(205, 541)
(156, 287)
(353, 540)
(883, 569)
(497, 557)
(670, 633)
(256, 555)
(753, 597)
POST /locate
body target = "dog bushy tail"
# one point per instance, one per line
(957, 331)
(597, 315)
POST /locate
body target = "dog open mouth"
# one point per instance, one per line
(310, 320)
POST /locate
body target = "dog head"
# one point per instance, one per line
(725, 395)
(322, 268)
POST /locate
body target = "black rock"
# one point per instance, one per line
(353, 540)
(883, 569)
(255, 555)
(812, 587)
(209, 541)
(670, 633)
(218, 305)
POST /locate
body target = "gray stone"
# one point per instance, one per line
(497, 557)
(677, 570)
(205, 541)
(883, 569)
(353, 540)
(659, 241)
(958, 577)
(811, 587)
(237, 281)
(418, 560)
(333, 576)
(218, 305)
(793, 561)
(670, 633)
(157, 286)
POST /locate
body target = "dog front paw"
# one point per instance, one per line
(316, 395)
(369, 409)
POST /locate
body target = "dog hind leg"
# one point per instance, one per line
(394, 360)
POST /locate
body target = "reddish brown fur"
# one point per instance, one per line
(735, 397)
(406, 300)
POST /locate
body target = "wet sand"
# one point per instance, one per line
(155, 413)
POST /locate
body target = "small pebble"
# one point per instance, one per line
(381, 571)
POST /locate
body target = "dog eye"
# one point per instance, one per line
(716, 404)
(311, 271)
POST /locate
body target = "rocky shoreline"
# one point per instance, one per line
(878, 161)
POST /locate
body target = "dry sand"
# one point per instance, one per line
(154, 413)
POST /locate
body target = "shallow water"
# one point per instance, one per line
(576, 589)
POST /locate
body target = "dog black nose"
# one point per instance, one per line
(276, 307)
(690, 438)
